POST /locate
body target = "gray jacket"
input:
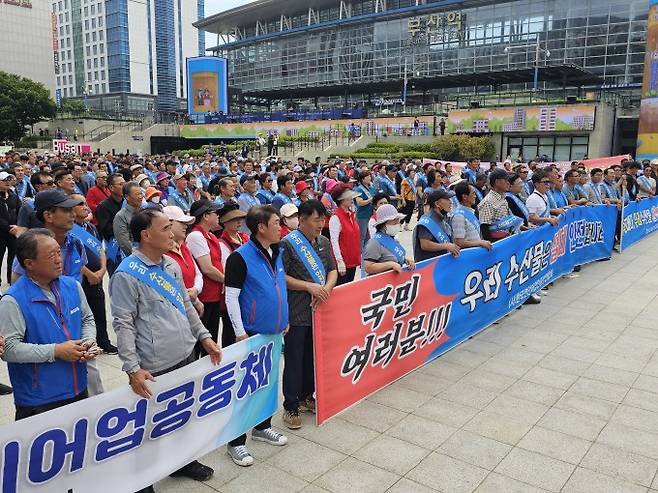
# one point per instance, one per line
(151, 333)
(120, 226)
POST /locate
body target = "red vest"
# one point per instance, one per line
(212, 291)
(186, 263)
(230, 243)
(350, 238)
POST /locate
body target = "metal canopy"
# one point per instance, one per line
(567, 75)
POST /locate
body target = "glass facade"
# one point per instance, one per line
(165, 52)
(118, 49)
(604, 37)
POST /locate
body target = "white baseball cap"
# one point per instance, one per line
(175, 213)
(288, 210)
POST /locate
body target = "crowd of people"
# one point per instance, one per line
(203, 252)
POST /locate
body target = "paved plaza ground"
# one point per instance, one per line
(559, 397)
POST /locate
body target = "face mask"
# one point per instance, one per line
(393, 229)
(156, 199)
(292, 223)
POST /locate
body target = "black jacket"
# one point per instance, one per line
(9, 205)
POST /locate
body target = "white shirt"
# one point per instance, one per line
(537, 203)
(197, 244)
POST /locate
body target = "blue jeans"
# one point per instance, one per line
(363, 229)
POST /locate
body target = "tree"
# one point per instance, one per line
(73, 106)
(23, 102)
(456, 147)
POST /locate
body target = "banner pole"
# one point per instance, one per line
(621, 221)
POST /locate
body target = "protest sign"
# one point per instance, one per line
(376, 330)
(639, 219)
(133, 442)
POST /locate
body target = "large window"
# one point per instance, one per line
(552, 147)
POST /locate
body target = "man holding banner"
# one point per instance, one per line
(465, 224)
(257, 303)
(310, 277)
(432, 235)
(157, 326)
(496, 218)
(47, 361)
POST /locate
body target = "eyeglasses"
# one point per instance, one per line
(48, 183)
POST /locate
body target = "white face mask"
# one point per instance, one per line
(156, 199)
(292, 223)
(393, 229)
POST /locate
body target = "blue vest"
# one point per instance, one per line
(265, 196)
(36, 384)
(264, 296)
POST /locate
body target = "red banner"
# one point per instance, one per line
(391, 308)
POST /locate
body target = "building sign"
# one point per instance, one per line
(387, 102)
(523, 119)
(63, 146)
(445, 27)
(55, 43)
(26, 4)
(647, 138)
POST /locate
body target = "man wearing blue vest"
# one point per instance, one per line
(157, 328)
(284, 193)
(538, 204)
(310, 277)
(432, 235)
(257, 303)
(47, 360)
(465, 224)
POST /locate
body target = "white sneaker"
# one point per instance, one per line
(270, 436)
(573, 275)
(240, 455)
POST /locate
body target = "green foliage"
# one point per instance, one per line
(457, 147)
(73, 106)
(23, 102)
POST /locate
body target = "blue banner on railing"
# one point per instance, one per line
(376, 330)
(120, 442)
(639, 219)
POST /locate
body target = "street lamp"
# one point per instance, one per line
(538, 49)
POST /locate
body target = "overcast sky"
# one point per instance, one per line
(216, 6)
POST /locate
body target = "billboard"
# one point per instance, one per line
(554, 118)
(207, 85)
(647, 138)
(308, 128)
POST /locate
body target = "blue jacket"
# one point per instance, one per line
(264, 297)
(36, 384)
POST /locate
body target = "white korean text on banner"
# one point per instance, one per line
(120, 442)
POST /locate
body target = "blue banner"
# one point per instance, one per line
(639, 219)
(378, 329)
(136, 441)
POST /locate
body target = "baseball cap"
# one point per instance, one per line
(140, 178)
(330, 184)
(101, 174)
(300, 186)
(5, 176)
(135, 166)
(202, 206)
(298, 169)
(175, 213)
(54, 198)
(386, 212)
(178, 176)
(288, 210)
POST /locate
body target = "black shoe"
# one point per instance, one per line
(5, 389)
(194, 470)
(110, 349)
(148, 489)
(532, 301)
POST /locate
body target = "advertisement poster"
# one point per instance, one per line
(366, 336)
(647, 139)
(136, 441)
(523, 119)
(207, 85)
